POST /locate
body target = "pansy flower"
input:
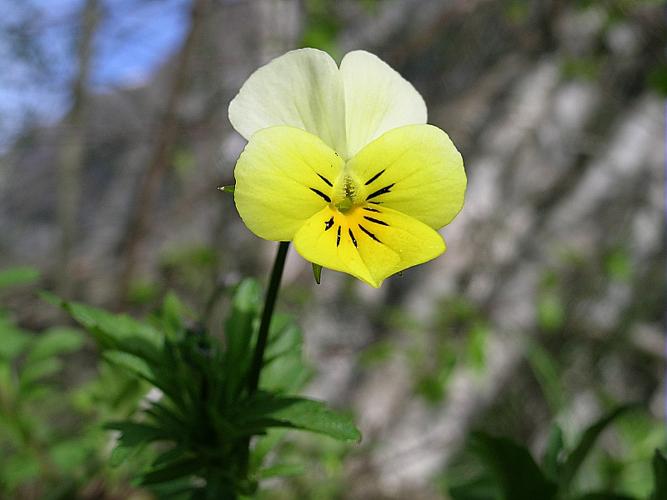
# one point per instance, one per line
(340, 161)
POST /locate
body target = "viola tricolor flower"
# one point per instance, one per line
(341, 162)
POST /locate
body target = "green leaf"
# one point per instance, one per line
(14, 340)
(38, 370)
(134, 365)
(550, 311)
(509, 461)
(134, 433)
(660, 476)
(576, 457)
(476, 348)
(227, 189)
(55, 341)
(317, 273)
(551, 461)
(601, 495)
(265, 444)
(118, 331)
(480, 488)
(120, 454)
(239, 332)
(546, 372)
(174, 470)
(172, 314)
(15, 276)
(284, 369)
(281, 470)
(70, 454)
(19, 469)
(298, 413)
(171, 455)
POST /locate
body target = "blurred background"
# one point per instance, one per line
(548, 305)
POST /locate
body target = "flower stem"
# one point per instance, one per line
(267, 313)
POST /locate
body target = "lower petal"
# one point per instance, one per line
(368, 243)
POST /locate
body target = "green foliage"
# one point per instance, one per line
(660, 475)
(49, 438)
(547, 373)
(657, 79)
(572, 463)
(15, 276)
(517, 475)
(201, 421)
(509, 471)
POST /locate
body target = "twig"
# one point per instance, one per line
(71, 155)
(166, 137)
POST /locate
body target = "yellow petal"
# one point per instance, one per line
(283, 178)
(302, 88)
(377, 99)
(413, 169)
(368, 244)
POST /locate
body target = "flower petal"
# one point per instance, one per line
(370, 245)
(283, 177)
(416, 170)
(377, 99)
(302, 88)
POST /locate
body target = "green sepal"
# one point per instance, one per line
(317, 273)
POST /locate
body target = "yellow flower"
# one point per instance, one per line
(341, 162)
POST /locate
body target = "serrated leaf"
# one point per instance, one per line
(659, 476)
(509, 461)
(21, 275)
(298, 413)
(576, 457)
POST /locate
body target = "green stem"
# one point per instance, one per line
(267, 313)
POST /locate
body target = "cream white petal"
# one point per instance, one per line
(302, 88)
(377, 99)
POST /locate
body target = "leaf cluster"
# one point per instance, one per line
(34, 445)
(202, 416)
(511, 473)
